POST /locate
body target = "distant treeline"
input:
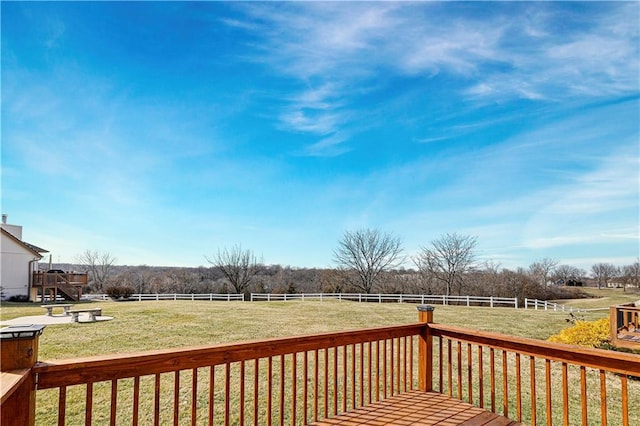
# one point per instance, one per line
(283, 279)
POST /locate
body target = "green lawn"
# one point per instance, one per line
(138, 326)
(602, 298)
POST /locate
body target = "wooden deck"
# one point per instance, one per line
(420, 409)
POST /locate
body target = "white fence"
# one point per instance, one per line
(385, 298)
(174, 296)
(547, 306)
(490, 301)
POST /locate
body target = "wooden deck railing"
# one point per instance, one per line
(274, 381)
(534, 381)
(297, 380)
(52, 278)
(625, 326)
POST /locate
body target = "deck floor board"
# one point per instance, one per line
(416, 408)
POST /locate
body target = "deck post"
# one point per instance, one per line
(19, 353)
(613, 324)
(425, 349)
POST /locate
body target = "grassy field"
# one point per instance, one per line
(139, 326)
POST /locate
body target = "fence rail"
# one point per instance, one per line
(386, 298)
(490, 301)
(226, 297)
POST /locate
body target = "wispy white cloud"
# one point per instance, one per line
(335, 49)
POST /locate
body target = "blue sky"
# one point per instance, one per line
(162, 132)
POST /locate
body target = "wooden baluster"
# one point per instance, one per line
(480, 377)
(326, 383)
(256, 393)
(294, 387)
(62, 405)
(377, 370)
(227, 394)
(136, 400)
(194, 396)
(361, 374)
(390, 360)
(603, 397)
(547, 372)
(440, 364)
(335, 380)
(269, 389)
(625, 400)
(532, 374)
(370, 373)
(565, 394)
(315, 386)
(469, 374)
(492, 372)
(156, 401)
(410, 362)
(212, 390)
(89, 406)
(281, 399)
(384, 368)
(449, 367)
(176, 397)
(345, 375)
(242, 396)
(583, 393)
(518, 389)
(459, 352)
(114, 402)
(398, 369)
(353, 376)
(305, 388)
(505, 385)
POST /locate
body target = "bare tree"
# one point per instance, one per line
(239, 266)
(368, 253)
(569, 275)
(602, 272)
(448, 259)
(427, 272)
(542, 269)
(632, 274)
(99, 265)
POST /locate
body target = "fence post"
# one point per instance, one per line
(516, 299)
(425, 349)
(19, 352)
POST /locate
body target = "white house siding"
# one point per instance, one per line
(14, 268)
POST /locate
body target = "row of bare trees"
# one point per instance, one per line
(367, 260)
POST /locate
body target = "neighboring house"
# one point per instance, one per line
(19, 261)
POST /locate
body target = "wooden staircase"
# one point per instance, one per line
(60, 284)
(69, 291)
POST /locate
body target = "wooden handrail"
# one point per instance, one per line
(10, 381)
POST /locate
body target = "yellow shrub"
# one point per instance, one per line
(584, 333)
